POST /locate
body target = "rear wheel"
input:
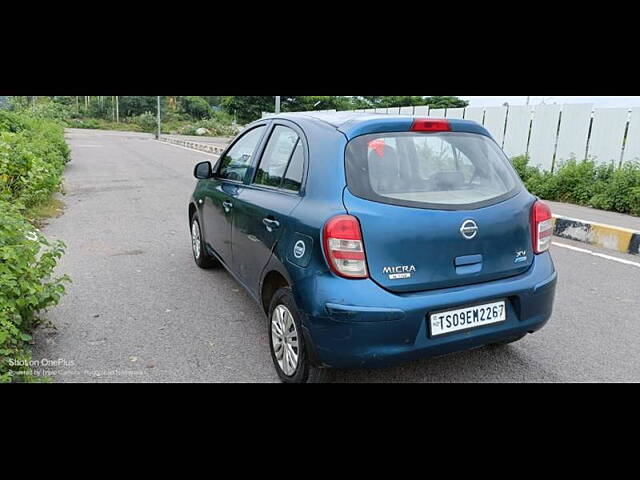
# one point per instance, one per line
(288, 349)
(200, 255)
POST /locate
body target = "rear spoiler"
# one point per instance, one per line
(382, 124)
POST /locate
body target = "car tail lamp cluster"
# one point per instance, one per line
(428, 125)
(541, 227)
(343, 247)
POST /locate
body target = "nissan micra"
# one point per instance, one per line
(372, 239)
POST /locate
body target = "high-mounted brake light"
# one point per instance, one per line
(343, 247)
(541, 227)
(428, 125)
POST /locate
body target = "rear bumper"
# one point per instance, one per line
(356, 323)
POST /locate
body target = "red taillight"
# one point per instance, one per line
(343, 247)
(427, 125)
(541, 227)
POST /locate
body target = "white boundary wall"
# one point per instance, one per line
(549, 133)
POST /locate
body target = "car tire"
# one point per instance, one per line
(200, 255)
(285, 320)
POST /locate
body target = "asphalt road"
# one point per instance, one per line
(140, 310)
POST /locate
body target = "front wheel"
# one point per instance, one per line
(288, 349)
(200, 255)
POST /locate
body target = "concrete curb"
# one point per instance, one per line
(204, 147)
(602, 235)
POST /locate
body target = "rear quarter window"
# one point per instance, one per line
(447, 170)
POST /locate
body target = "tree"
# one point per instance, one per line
(409, 101)
(248, 108)
(214, 101)
(446, 102)
(197, 107)
(131, 106)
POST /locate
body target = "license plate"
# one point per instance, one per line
(466, 318)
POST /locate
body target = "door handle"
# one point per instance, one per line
(227, 205)
(270, 224)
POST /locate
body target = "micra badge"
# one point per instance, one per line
(399, 272)
(521, 256)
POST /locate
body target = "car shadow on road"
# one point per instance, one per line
(489, 364)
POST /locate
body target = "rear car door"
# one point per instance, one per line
(262, 208)
(437, 209)
(222, 190)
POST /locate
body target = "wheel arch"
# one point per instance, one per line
(192, 209)
(272, 281)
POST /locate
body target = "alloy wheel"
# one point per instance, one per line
(284, 337)
(195, 239)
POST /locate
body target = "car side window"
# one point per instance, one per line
(237, 160)
(293, 178)
(276, 157)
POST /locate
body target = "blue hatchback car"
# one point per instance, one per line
(374, 239)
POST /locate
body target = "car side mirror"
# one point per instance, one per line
(203, 170)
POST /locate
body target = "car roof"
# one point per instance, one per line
(354, 124)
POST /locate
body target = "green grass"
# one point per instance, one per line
(53, 207)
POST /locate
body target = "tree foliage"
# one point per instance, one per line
(249, 108)
(196, 107)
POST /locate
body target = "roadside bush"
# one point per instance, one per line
(621, 193)
(27, 261)
(83, 123)
(585, 183)
(147, 122)
(214, 128)
(32, 157)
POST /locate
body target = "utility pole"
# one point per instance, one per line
(277, 105)
(158, 133)
(528, 98)
(117, 109)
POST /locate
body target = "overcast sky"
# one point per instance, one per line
(597, 101)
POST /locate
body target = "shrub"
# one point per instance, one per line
(32, 157)
(213, 127)
(31, 163)
(147, 122)
(585, 183)
(27, 261)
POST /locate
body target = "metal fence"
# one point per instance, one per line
(549, 133)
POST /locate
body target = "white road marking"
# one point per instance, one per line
(595, 254)
(192, 149)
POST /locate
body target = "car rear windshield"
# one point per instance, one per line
(445, 170)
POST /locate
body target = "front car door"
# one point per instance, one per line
(262, 207)
(223, 188)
